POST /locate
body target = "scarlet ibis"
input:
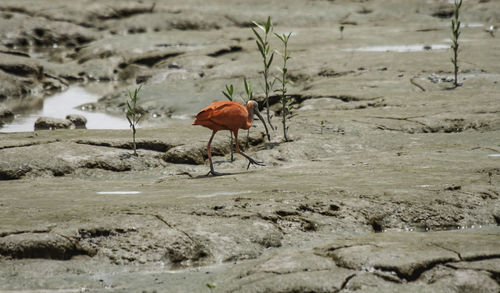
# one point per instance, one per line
(228, 115)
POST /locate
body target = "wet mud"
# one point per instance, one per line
(389, 183)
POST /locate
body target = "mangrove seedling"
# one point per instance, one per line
(134, 114)
(267, 58)
(455, 30)
(229, 95)
(284, 98)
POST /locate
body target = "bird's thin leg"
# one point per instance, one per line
(212, 171)
(250, 160)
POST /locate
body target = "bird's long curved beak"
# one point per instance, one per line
(263, 122)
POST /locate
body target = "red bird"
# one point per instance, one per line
(226, 115)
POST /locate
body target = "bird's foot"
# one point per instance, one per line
(215, 173)
(254, 162)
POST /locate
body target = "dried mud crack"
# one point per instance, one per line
(365, 256)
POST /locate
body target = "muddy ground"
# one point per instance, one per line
(390, 182)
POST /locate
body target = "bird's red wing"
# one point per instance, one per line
(222, 115)
(206, 113)
(231, 116)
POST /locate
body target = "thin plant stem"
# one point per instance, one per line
(284, 99)
(231, 146)
(133, 140)
(455, 29)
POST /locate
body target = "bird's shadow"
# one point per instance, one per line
(208, 175)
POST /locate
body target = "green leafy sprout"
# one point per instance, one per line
(229, 92)
(211, 286)
(248, 89)
(134, 114)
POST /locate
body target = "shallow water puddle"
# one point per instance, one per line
(451, 228)
(401, 48)
(62, 104)
(118, 192)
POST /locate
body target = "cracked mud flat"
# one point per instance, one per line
(389, 185)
